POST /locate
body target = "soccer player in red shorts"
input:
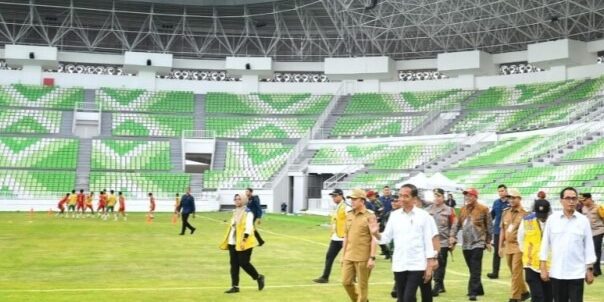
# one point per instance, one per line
(61, 204)
(122, 202)
(151, 205)
(80, 203)
(102, 204)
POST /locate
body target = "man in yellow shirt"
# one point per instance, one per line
(338, 226)
(111, 201)
(88, 203)
(71, 203)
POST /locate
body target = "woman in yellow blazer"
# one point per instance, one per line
(239, 240)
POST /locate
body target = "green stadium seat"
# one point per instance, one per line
(130, 155)
(266, 103)
(29, 121)
(375, 126)
(259, 127)
(20, 184)
(134, 124)
(139, 100)
(19, 95)
(248, 165)
(38, 153)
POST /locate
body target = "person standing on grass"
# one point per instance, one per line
(111, 201)
(499, 205)
(177, 204)
(186, 208)
(151, 205)
(240, 241)
(80, 203)
(100, 210)
(256, 208)
(530, 235)
(122, 203)
(414, 258)
(359, 248)
(475, 225)
(595, 215)
(71, 203)
(338, 229)
(445, 219)
(568, 237)
(88, 205)
(61, 204)
(509, 247)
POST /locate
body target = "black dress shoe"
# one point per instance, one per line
(525, 296)
(260, 282)
(493, 276)
(181, 234)
(193, 231)
(321, 280)
(232, 290)
(472, 298)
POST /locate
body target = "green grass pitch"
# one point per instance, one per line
(45, 258)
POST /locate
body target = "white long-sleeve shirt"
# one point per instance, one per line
(412, 234)
(571, 245)
(249, 227)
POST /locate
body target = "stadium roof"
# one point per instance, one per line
(298, 30)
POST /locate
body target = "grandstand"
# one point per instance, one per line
(294, 124)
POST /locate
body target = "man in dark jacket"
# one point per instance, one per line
(187, 207)
(254, 205)
(499, 205)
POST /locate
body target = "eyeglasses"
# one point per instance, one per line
(570, 199)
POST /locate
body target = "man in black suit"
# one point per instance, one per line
(186, 207)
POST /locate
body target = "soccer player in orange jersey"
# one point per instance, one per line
(122, 209)
(80, 203)
(61, 204)
(151, 204)
(100, 210)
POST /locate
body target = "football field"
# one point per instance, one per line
(48, 258)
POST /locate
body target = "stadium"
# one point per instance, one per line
(293, 99)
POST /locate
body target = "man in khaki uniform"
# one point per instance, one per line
(359, 248)
(508, 244)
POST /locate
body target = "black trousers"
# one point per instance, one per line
(407, 283)
(185, 223)
(541, 291)
(439, 274)
(598, 248)
(474, 262)
(330, 257)
(260, 240)
(496, 258)
(426, 290)
(567, 290)
(241, 259)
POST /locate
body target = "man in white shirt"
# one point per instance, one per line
(568, 236)
(414, 256)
